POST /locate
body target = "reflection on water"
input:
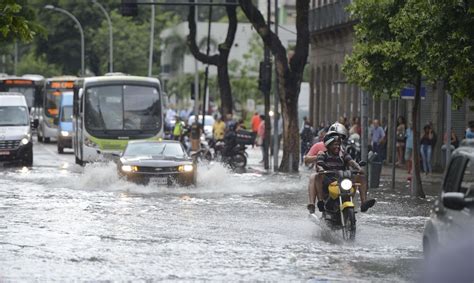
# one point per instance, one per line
(87, 224)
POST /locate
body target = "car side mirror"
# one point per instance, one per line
(454, 200)
(362, 163)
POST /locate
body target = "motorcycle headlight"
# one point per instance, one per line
(346, 184)
(185, 168)
(64, 133)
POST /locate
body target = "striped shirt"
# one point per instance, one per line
(333, 162)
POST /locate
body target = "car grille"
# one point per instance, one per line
(158, 170)
(9, 144)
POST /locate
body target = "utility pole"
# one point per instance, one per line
(206, 79)
(276, 97)
(111, 36)
(394, 143)
(365, 125)
(152, 33)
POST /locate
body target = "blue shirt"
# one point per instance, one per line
(377, 135)
(469, 134)
(409, 136)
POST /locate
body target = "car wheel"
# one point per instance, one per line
(47, 140)
(28, 161)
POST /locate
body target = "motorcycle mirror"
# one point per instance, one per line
(362, 163)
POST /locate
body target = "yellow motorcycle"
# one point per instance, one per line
(339, 208)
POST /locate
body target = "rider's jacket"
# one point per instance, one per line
(329, 161)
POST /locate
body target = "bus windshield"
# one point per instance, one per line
(53, 98)
(122, 107)
(66, 115)
(13, 116)
(28, 92)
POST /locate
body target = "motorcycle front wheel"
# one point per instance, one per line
(349, 229)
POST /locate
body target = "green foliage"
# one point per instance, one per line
(17, 21)
(32, 64)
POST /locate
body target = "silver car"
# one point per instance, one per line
(453, 212)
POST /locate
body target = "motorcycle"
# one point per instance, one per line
(235, 157)
(339, 207)
(353, 147)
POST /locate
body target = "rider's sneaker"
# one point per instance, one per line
(367, 204)
(311, 208)
(320, 205)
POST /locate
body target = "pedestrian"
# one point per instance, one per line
(470, 130)
(218, 128)
(261, 136)
(306, 139)
(409, 147)
(255, 123)
(355, 128)
(401, 129)
(377, 138)
(178, 129)
(426, 149)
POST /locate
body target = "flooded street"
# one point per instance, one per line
(59, 221)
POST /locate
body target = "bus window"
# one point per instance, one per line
(53, 98)
(29, 94)
(104, 108)
(141, 108)
(66, 115)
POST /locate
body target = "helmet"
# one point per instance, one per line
(339, 129)
(331, 137)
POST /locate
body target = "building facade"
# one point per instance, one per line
(332, 97)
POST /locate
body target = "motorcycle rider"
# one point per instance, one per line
(334, 159)
(230, 139)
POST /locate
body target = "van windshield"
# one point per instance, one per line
(13, 116)
(66, 115)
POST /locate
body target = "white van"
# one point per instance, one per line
(16, 143)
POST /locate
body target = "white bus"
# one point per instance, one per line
(109, 111)
(48, 119)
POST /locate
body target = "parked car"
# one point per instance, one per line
(157, 162)
(453, 212)
(16, 144)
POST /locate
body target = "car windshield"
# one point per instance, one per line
(66, 115)
(13, 116)
(155, 148)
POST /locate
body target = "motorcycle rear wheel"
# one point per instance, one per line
(239, 160)
(349, 230)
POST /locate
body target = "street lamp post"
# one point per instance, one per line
(51, 7)
(111, 37)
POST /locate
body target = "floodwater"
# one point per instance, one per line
(61, 222)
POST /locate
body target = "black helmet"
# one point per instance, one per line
(331, 137)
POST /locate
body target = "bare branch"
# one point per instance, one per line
(212, 60)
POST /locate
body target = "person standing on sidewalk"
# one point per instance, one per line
(409, 147)
(261, 136)
(255, 123)
(426, 148)
(400, 139)
(378, 137)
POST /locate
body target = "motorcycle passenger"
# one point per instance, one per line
(334, 159)
(230, 139)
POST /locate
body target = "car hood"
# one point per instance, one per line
(14, 133)
(152, 161)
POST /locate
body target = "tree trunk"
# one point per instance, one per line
(417, 189)
(224, 88)
(220, 59)
(289, 72)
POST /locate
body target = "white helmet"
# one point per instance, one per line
(339, 129)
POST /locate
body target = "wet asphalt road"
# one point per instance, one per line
(62, 222)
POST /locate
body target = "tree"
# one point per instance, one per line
(17, 21)
(384, 61)
(289, 71)
(219, 60)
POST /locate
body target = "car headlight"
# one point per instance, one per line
(185, 168)
(25, 141)
(64, 133)
(346, 184)
(129, 168)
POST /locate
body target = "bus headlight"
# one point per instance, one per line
(128, 168)
(346, 184)
(64, 133)
(185, 168)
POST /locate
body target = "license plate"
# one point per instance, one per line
(4, 153)
(159, 180)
